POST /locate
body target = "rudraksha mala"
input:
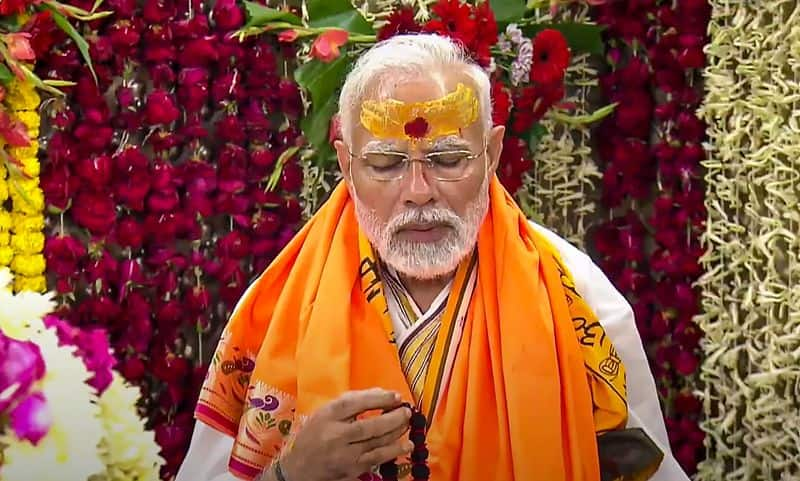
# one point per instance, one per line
(419, 456)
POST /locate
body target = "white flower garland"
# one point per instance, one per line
(70, 446)
(129, 452)
(558, 191)
(751, 295)
(91, 438)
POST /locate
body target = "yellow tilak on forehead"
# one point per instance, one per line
(393, 119)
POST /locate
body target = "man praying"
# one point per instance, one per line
(419, 326)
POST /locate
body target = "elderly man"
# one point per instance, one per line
(419, 327)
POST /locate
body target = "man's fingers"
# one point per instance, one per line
(353, 403)
(388, 438)
(378, 426)
(381, 455)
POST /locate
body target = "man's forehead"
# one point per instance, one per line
(421, 120)
(442, 143)
(420, 87)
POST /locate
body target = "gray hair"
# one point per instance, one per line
(411, 56)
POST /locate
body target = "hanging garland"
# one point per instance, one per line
(21, 198)
(557, 190)
(651, 153)
(21, 237)
(170, 183)
(750, 296)
(63, 409)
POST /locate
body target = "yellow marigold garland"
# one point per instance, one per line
(21, 237)
(750, 294)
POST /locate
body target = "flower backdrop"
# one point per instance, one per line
(169, 182)
(650, 152)
(157, 154)
(750, 294)
(63, 410)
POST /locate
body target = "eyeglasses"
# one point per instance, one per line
(445, 166)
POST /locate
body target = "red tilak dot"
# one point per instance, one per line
(417, 128)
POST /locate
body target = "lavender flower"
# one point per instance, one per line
(521, 67)
(514, 34)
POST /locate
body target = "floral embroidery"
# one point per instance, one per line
(265, 428)
(225, 387)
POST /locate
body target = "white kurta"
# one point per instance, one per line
(207, 459)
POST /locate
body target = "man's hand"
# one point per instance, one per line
(333, 445)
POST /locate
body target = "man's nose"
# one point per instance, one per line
(418, 189)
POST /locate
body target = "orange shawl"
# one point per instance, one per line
(517, 406)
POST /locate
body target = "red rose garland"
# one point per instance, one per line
(654, 51)
(161, 210)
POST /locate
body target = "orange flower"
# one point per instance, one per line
(326, 46)
(288, 36)
(14, 132)
(19, 46)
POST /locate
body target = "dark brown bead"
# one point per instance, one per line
(419, 455)
(388, 470)
(418, 421)
(420, 471)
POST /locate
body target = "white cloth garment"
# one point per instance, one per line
(207, 459)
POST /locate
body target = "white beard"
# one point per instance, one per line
(425, 260)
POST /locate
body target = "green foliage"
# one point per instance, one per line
(507, 11)
(581, 37)
(339, 14)
(322, 82)
(259, 15)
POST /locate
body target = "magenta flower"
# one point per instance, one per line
(92, 347)
(21, 365)
(31, 419)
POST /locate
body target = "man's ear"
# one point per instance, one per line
(343, 156)
(494, 147)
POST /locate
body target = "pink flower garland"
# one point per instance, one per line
(22, 407)
(156, 179)
(653, 189)
(22, 366)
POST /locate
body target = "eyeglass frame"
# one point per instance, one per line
(407, 159)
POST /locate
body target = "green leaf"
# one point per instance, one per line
(339, 14)
(259, 15)
(507, 11)
(598, 114)
(5, 74)
(581, 37)
(35, 80)
(322, 82)
(67, 27)
(277, 171)
(316, 126)
(9, 23)
(535, 135)
(58, 83)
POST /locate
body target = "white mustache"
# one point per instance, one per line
(423, 216)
